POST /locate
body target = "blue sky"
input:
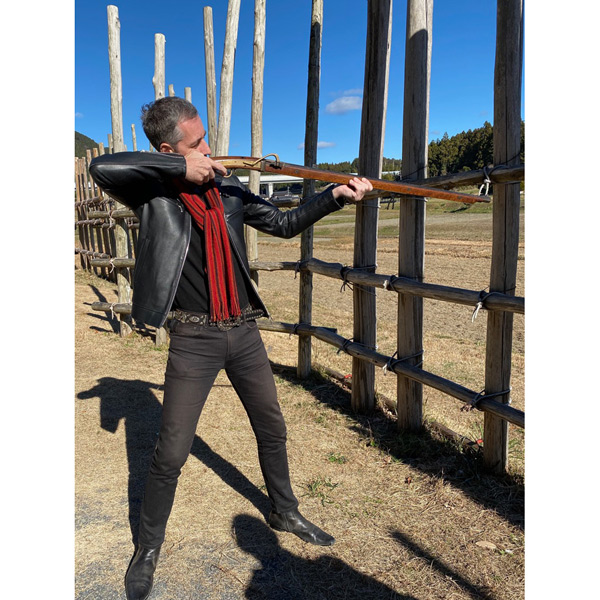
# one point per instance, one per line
(461, 86)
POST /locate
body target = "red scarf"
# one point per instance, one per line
(210, 217)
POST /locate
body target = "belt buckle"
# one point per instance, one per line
(222, 326)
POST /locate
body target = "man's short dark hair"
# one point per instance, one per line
(160, 119)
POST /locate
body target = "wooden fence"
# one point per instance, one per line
(108, 233)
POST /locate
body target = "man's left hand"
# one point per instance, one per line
(354, 190)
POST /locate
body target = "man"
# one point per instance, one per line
(191, 259)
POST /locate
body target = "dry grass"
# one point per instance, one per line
(409, 512)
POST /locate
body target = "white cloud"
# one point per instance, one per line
(343, 105)
(319, 145)
(78, 115)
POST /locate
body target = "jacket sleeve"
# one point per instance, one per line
(266, 217)
(133, 178)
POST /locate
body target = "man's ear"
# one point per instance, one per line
(164, 147)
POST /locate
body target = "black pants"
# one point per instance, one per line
(196, 354)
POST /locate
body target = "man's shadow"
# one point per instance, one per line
(134, 403)
(285, 576)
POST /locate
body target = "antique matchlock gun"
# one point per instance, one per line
(392, 188)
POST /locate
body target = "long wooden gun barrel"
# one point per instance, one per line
(392, 187)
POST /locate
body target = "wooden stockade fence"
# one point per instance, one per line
(107, 232)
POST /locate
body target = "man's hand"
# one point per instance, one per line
(354, 190)
(199, 168)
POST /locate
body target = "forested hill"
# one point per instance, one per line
(83, 143)
(464, 151)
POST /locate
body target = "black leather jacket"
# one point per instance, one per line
(143, 181)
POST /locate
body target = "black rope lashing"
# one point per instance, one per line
(295, 328)
(469, 406)
(487, 173)
(483, 296)
(480, 300)
(347, 342)
(344, 346)
(344, 273)
(389, 366)
(297, 267)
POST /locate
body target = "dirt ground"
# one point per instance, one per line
(415, 517)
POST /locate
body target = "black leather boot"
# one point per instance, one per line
(295, 523)
(140, 575)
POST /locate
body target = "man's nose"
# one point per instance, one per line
(205, 148)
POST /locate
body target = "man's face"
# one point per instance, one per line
(194, 136)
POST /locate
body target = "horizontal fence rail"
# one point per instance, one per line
(469, 397)
(403, 285)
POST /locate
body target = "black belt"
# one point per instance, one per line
(248, 314)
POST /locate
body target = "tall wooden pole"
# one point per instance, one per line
(372, 131)
(258, 68)
(226, 96)
(133, 138)
(411, 245)
(505, 244)
(311, 137)
(159, 66)
(116, 111)
(159, 82)
(187, 93)
(211, 80)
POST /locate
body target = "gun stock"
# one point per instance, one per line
(395, 188)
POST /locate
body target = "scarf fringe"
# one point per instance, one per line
(208, 212)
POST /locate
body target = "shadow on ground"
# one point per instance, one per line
(285, 576)
(134, 402)
(424, 451)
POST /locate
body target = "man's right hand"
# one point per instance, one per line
(200, 169)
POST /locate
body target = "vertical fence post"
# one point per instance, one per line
(233, 17)
(116, 100)
(377, 61)
(211, 80)
(80, 213)
(102, 233)
(158, 81)
(89, 194)
(311, 137)
(106, 233)
(258, 68)
(133, 138)
(187, 93)
(505, 244)
(411, 244)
